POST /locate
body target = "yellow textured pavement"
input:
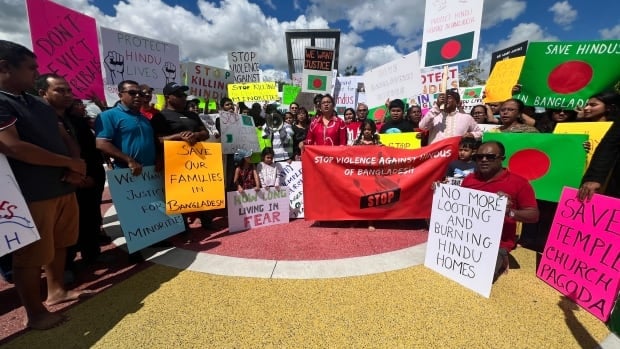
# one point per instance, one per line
(163, 307)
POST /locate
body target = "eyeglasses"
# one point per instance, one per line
(134, 93)
(489, 157)
(362, 110)
(510, 110)
(326, 102)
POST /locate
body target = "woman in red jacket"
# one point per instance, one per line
(327, 128)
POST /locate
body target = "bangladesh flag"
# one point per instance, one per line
(539, 158)
(317, 83)
(563, 75)
(449, 50)
(472, 92)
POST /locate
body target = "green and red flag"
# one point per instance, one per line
(563, 75)
(448, 50)
(540, 159)
(317, 83)
(472, 92)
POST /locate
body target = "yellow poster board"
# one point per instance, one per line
(253, 92)
(503, 78)
(406, 140)
(594, 130)
(194, 177)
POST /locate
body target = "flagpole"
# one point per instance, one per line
(444, 84)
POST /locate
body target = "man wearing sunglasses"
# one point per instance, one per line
(124, 134)
(490, 176)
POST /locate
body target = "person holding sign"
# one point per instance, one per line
(445, 121)
(490, 176)
(46, 174)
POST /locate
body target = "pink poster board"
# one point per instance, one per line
(582, 255)
(65, 43)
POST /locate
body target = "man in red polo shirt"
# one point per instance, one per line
(491, 177)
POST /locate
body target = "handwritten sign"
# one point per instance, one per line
(404, 140)
(253, 209)
(318, 59)
(582, 256)
(464, 234)
(432, 80)
(194, 178)
(396, 79)
(513, 51)
(317, 73)
(139, 202)
(244, 66)
(289, 93)
(205, 81)
(65, 42)
(238, 132)
(131, 57)
(595, 131)
(253, 92)
(502, 79)
(17, 229)
(292, 179)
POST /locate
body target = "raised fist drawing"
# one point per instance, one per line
(170, 71)
(115, 62)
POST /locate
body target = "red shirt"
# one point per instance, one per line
(520, 192)
(148, 112)
(335, 133)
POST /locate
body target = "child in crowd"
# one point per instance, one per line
(268, 171)
(464, 165)
(289, 118)
(246, 176)
(368, 134)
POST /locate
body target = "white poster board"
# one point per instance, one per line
(245, 66)
(292, 178)
(432, 80)
(144, 60)
(399, 78)
(464, 234)
(17, 229)
(238, 132)
(205, 81)
(346, 90)
(253, 209)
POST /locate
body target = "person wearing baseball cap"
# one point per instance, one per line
(173, 88)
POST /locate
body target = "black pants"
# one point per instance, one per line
(89, 201)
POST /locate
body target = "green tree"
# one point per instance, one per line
(350, 70)
(469, 75)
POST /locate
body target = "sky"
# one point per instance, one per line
(373, 32)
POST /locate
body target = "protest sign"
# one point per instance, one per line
(503, 78)
(18, 228)
(238, 132)
(346, 89)
(513, 51)
(139, 203)
(208, 82)
(208, 120)
(595, 131)
(194, 177)
(451, 32)
(537, 158)
(65, 43)
(373, 182)
(582, 256)
(253, 92)
(464, 234)
(470, 97)
(254, 209)
(132, 57)
(293, 180)
(403, 140)
(289, 93)
(432, 80)
(563, 75)
(244, 66)
(317, 73)
(397, 79)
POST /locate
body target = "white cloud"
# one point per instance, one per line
(610, 33)
(379, 55)
(563, 14)
(497, 11)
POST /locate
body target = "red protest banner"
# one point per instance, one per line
(373, 182)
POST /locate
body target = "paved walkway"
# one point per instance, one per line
(218, 291)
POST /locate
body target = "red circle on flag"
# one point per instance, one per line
(379, 115)
(530, 163)
(317, 83)
(450, 49)
(570, 77)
